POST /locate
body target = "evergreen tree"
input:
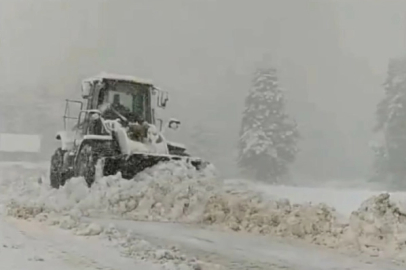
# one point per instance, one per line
(390, 156)
(268, 138)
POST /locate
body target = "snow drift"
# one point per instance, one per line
(378, 227)
(175, 192)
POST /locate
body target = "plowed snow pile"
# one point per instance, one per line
(175, 192)
(378, 227)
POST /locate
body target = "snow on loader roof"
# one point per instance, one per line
(110, 76)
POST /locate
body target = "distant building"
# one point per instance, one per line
(30, 115)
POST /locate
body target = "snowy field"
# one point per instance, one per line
(343, 199)
(171, 217)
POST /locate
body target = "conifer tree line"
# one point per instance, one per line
(390, 152)
(269, 137)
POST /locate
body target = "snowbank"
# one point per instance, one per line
(378, 227)
(167, 192)
(252, 213)
(343, 199)
(175, 192)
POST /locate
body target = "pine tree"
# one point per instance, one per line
(390, 156)
(268, 138)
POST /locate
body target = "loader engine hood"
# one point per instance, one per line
(176, 145)
(176, 148)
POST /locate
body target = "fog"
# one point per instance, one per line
(331, 57)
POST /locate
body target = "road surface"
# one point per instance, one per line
(32, 246)
(246, 251)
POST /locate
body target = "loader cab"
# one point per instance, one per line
(134, 95)
(139, 96)
(130, 96)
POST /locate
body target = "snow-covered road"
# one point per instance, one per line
(32, 246)
(246, 251)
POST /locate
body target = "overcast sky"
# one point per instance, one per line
(331, 55)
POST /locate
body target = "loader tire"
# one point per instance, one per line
(56, 176)
(86, 163)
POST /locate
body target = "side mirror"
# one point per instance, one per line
(173, 123)
(86, 89)
(162, 99)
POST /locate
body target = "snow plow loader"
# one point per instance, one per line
(115, 130)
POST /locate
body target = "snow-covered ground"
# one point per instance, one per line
(343, 199)
(28, 245)
(173, 218)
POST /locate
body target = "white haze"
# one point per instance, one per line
(331, 56)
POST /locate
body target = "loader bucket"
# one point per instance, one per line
(131, 165)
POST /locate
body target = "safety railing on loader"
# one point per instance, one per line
(67, 115)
